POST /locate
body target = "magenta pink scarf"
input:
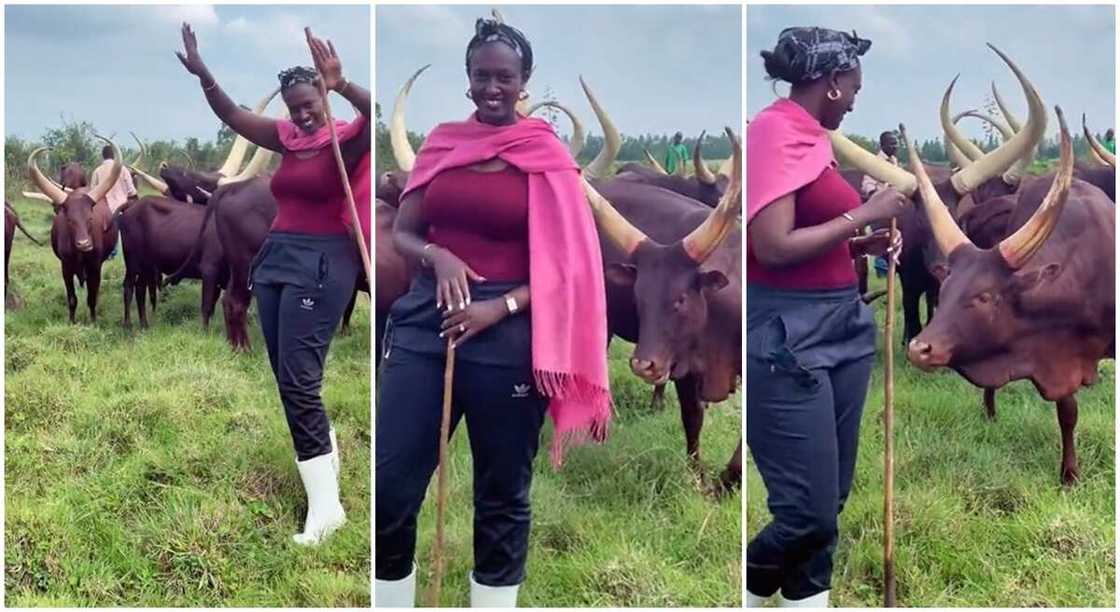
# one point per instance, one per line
(787, 148)
(294, 139)
(568, 310)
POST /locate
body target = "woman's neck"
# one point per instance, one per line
(809, 100)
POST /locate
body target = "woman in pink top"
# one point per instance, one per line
(810, 340)
(304, 274)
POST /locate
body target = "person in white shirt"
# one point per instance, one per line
(119, 193)
(888, 146)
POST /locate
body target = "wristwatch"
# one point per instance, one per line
(511, 304)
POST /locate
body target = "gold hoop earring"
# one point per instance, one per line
(524, 95)
(833, 97)
(468, 94)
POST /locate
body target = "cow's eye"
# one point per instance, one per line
(984, 298)
(678, 303)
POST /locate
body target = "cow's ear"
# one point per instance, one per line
(1025, 281)
(622, 274)
(940, 271)
(712, 280)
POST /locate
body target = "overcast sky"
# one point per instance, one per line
(655, 69)
(1066, 51)
(115, 65)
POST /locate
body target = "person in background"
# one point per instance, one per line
(1110, 141)
(888, 146)
(676, 155)
(123, 191)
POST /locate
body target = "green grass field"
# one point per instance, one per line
(155, 468)
(980, 517)
(625, 524)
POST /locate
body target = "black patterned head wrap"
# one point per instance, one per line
(296, 75)
(492, 30)
(807, 54)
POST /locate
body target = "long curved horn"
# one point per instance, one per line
(949, 126)
(703, 241)
(1005, 131)
(140, 155)
(612, 142)
(240, 145)
(190, 160)
(98, 191)
(35, 195)
(703, 174)
(1019, 247)
(398, 133)
(151, 180)
(1012, 121)
(1001, 159)
(612, 224)
(653, 162)
(959, 159)
(52, 191)
(1095, 146)
(881, 170)
(260, 160)
(945, 230)
(576, 144)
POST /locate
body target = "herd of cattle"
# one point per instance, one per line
(1018, 270)
(206, 225)
(671, 249)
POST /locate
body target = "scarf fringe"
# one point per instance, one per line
(571, 387)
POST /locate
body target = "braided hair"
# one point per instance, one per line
(296, 75)
(492, 30)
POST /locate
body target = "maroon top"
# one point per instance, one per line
(309, 195)
(483, 218)
(826, 198)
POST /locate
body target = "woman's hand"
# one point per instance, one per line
(192, 61)
(453, 278)
(462, 325)
(885, 204)
(326, 61)
(877, 243)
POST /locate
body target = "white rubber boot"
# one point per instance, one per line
(335, 455)
(820, 600)
(396, 593)
(756, 601)
(324, 511)
(483, 596)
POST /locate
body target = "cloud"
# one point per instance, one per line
(194, 14)
(430, 25)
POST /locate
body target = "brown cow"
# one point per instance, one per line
(158, 235)
(1039, 305)
(11, 222)
(83, 232)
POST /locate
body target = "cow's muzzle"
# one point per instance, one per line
(85, 246)
(650, 371)
(926, 356)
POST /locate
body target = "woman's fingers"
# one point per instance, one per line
(443, 294)
(330, 46)
(456, 299)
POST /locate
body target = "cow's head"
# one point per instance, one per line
(76, 207)
(187, 184)
(979, 313)
(72, 176)
(390, 186)
(671, 284)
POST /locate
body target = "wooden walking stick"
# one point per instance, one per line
(888, 435)
(358, 235)
(441, 475)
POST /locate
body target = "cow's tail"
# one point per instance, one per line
(19, 224)
(196, 250)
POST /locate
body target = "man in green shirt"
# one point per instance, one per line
(677, 154)
(1110, 141)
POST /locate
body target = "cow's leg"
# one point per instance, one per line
(153, 291)
(1067, 421)
(71, 297)
(345, 331)
(911, 313)
(210, 293)
(692, 416)
(128, 287)
(236, 307)
(141, 308)
(93, 287)
(657, 401)
(990, 403)
(732, 475)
